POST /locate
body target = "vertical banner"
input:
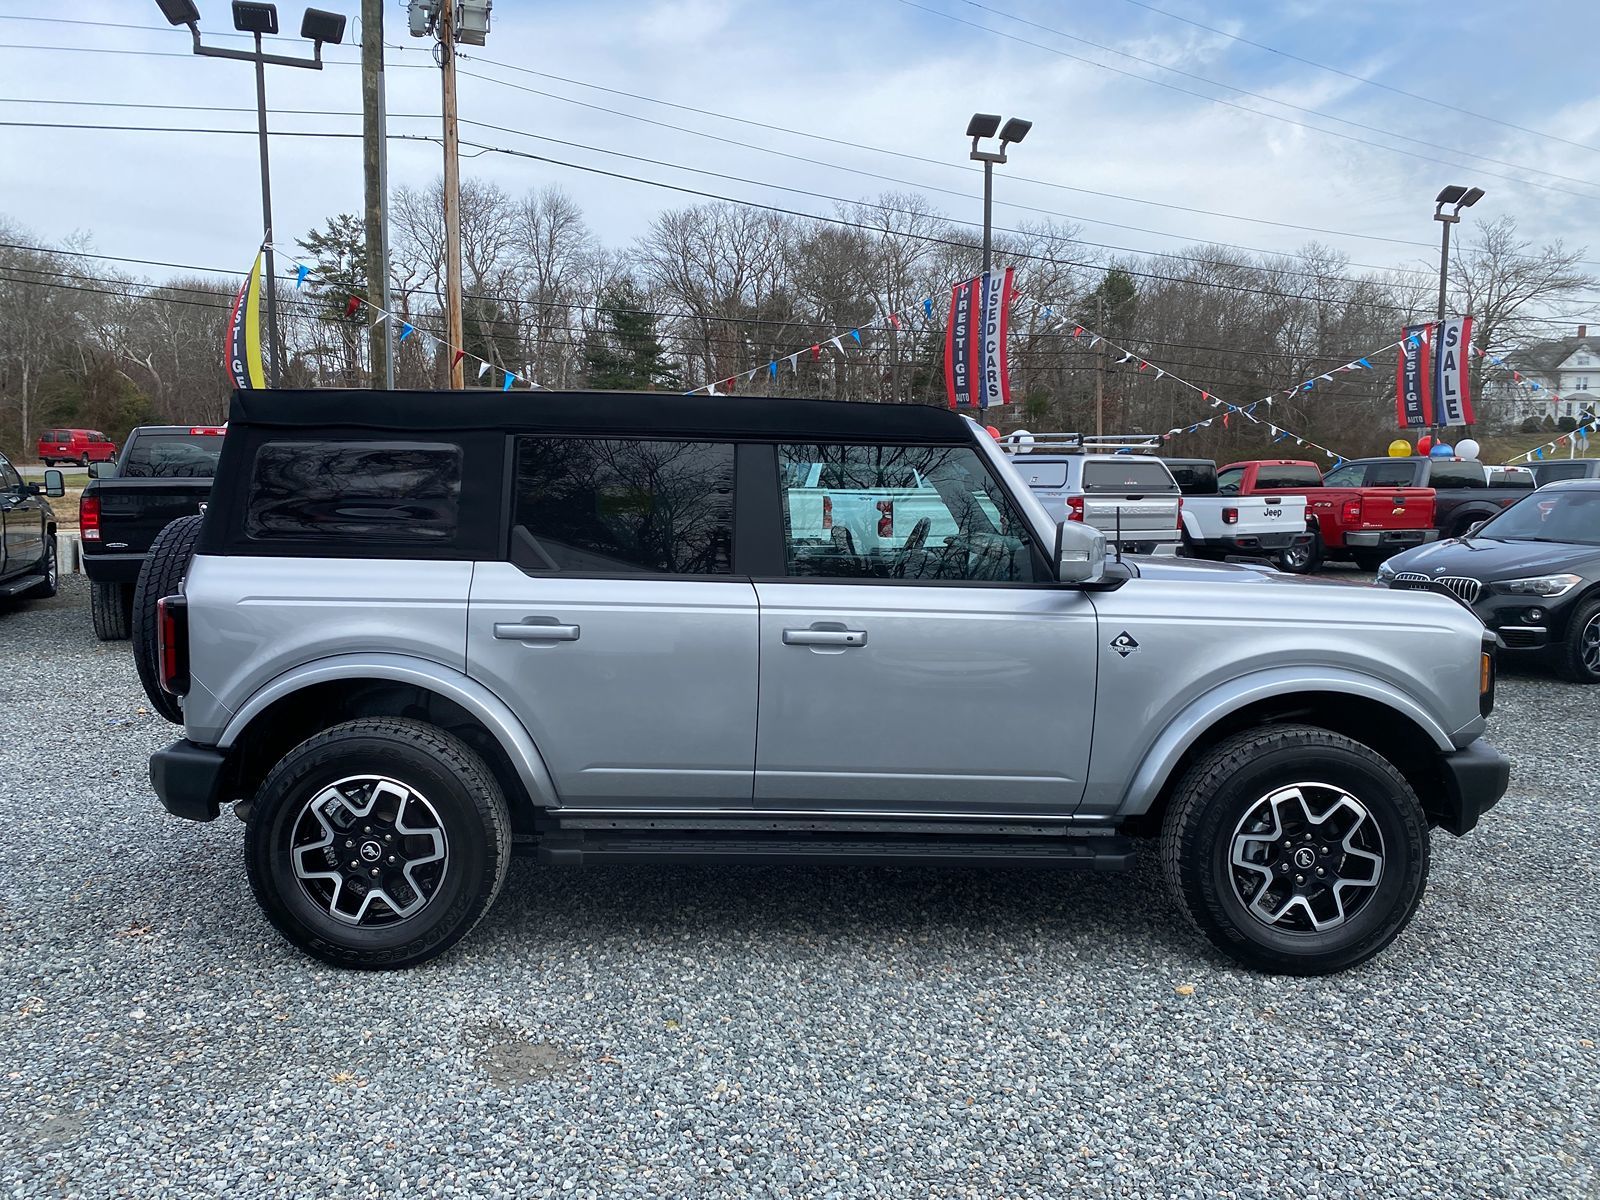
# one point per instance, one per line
(996, 320)
(959, 341)
(1451, 403)
(1413, 383)
(241, 353)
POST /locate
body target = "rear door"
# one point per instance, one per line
(931, 672)
(617, 629)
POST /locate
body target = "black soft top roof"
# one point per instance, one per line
(748, 417)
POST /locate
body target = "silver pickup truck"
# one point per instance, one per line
(419, 632)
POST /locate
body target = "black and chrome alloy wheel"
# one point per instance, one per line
(369, 850)
(1306, 858)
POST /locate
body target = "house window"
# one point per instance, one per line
(1582, 383)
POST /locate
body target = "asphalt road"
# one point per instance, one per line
(805, 1032)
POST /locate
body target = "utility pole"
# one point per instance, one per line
(452, 194)
(270, 282)
(1100, 367)
(375, 169)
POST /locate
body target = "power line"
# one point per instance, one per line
(1245, 108)
(1360, 78)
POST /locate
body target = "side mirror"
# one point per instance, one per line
(1080, 553)
(54, 483)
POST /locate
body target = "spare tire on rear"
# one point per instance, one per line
(160, 576)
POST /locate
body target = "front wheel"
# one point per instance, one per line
(378, 843)
(1296, 850)
(50, 569)
(1578, 658)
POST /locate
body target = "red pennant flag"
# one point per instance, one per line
(353, 304)
(1225, 417)
(816, 352)
(1143, 365)
(456, 361)
(1517, 377)
(728, 384)
(1077, 331)
(1205, 395)
(894, 319)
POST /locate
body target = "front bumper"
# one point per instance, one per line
(1475, 778)
(190, 779)
(1373, 538)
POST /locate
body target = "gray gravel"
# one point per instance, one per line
(845, 1032)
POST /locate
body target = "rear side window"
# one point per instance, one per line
(1194, 478)
(1287, 477)
(375, 491)
(1456, 475)
(623, 506)
(1135, 475)
(172, 456)
(1550, 472)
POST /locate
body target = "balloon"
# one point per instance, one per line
(1468, 449)
(1424, 444)
(1399, 448)
(993, 432)
(1441, 450)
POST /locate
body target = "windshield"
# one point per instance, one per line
(172, 456)
(1561, 516)
(1135, 475)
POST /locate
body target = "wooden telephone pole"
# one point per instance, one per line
(375, 170)
(452, 194)
(1100, 367)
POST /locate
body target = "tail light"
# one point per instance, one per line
(1074, 508)
(885, 518)
(1230, 516)
(89, 518)
(1352, 510)
(172, 645)
(827, 512)
(1179, 525)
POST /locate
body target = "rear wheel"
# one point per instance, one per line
(1578, 658)
(378, 843)
(83, 459)
(111, 605)
(1302, 559)
(160, 575)
(1296, 850)
(49, 567)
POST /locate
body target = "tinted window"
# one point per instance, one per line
(373, 491)
(614, 505)
(1136, 475)
(1229, 482)
(1389, 474)
(172, 456)
(1276, 476)
(1550, 472)
(1510, 478)
(1194, 478)
(1042, 475)
(1443, 474)
(955, 524)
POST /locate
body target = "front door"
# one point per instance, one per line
(916, 655)
(23, 517)
(616, 629)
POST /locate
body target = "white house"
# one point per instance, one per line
(1565, 370)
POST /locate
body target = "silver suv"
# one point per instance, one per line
(420, 632)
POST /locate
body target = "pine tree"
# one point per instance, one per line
(623, 352)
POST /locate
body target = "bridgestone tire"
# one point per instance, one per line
(1569, 654)
(49, 567)
(160, 576)
(460, 788)
(109, 604)
(1223, 786)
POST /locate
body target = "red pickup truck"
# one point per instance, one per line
(1359, 523)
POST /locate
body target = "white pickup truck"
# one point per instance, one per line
(875, 510)
(1215, 526)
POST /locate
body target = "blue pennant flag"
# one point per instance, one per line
(1415, 339)
(1280, 437)
(300, 276)
(1337, 462)
(772, 369)
(510, 379)
(1191, 428)
(1538, 453)
(1364, 363)
(1251, 411)
(1533, 385)
(1497, 361)
(1306, 387)
(1048, 311)
(1126, 450)
(406, 330)
(856, 333)
(927, 307)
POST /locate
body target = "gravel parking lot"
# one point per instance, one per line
(679, 1032)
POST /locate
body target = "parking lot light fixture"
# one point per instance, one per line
(249, 17)
(180, 12)
(982, 126)
(322, 27)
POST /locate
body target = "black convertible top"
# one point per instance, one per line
(749, 417)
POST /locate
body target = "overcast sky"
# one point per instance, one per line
(894, 75)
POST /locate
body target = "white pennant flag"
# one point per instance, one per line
(836, 344)
(1159, 372)
(1094, 341)
(794, 363)
(1329, 378)
(1125, 358)
(483, 369)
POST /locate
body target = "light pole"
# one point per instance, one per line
(1458, 198)
(316, 27)
(984, 125)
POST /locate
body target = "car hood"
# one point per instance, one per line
(1491, 560)
(1194, 570)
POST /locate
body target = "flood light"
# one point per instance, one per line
(255, 18)
(320, 26)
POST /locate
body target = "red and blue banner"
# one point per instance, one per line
(1413, 383)
(976, 367)
(1452, 403)
(960, 349)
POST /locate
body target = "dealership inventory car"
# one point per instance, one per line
(27, 535)
(83, 446)
(419, 631)
(1532, 572)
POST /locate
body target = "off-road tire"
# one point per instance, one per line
(111, 606)
(50, 568)
(160, 576)
(471, 808)
(1226, 782)
(1569, 655)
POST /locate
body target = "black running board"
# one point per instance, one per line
(1105, 853)
(15, 587)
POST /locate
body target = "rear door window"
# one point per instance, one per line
(1551, 472)
(1042, 475)
(1194, 478)
(1270, 476)
(354, 490)
(1395, 474)
(623, 506)
(1137, 475)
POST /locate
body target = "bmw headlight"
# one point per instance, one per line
(1386, 572)
(1539, 585)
